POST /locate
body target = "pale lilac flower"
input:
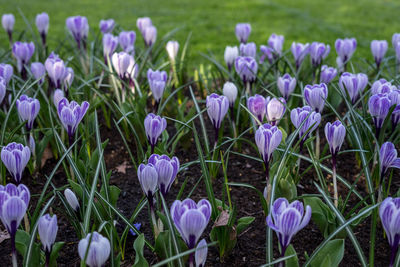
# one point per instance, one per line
(246, 68)
(353, 84)
(121, 62)
(267, 138)
(266, 52)
(315, 96)
(157, 82)
(150, 35)
(127, 41)
(318, 52)
(47, 228)
(286, 85)
(217, 107)
(106, 26)
(69, 78)
(310, 118)
(379, 106)
(38, 71)
(276, 43)
(143, 23)
(248, 50)
(345, 48)
(148, 179)
(8, 21)
(15, 157)
(57, 96)
(388, 157)
(154, 126)
(23, 53)
(6, 72)
(201, 253)
(110, 43)
(167, 169)
(71, 114)
(327, 74)
(378, 50)
(257, 106)
(3, 89)
(389, 212)
(28, 108)
(71, 199)
(275, 109)
(230, 55)
(299, 51)
(382, 86)
(96, 248)
(78, 26)
(242, 31)
(42, 24)
(335, 133)
(56, 70)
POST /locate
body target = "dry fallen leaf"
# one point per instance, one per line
(222, 219)
(4, 235)
(47, 154)
(122, 168)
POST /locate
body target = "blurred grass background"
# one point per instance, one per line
(212, 22)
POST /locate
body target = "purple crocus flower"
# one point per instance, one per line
(242, 31)
(42, 24)
(3, 89)
(57, 96)
(121, 63)
(8, 21)
(248, 50)
(15, 157)
(191, 219)
(23, 53)
(379, 106)
(148, 179)
(201, 253)
(266, 53)
(275, 109)
(38, 71)
(327, 74)
(382, 86)
(388, 157)
(286, 85)
(96, 248)
(217, 107)
(28, 109)
(394, 97)
(318, 52)
(287, 219)
(157, 81)
(127, 41)
(396, 44)
(167, 169)
(110, 43)
(276, 43)
(6, 72)
(299, 51)
(230, 91)
(71, 199)
(257, 106)
(378, 50)
(345, 48)
(389, 212)
(143, 23)
(71, 114)
(316, 95)
(353, 84)
(310, 118)
(69, 78)
(56, 70)
(230, 54)
(107, 25)
(149, 35)
(335, 133)
(47, 228)
(246, 68)
(78, 26)
(154, 126)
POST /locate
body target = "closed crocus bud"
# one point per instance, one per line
(167, 169)
(15, 157)
(110, 43)
(172, 48)
(311, 121)
(335, 133)
(388, 158)
(106, 26)
(327, 74)
(382, 86)
(3, 89)
(157, 81)
(47, 228)
(345, 48)
(379, 106)
(242, 31)
(201, 253)
(42, 24)
(143, 23)
(191, 219)
(69, 78)
(56, 70)
(230, 91)
(217, 107)
(132, 71)
(127, 41)
(8, 21)
(395, 40)
(71, 114)
(57, 96)
(154, 126)
(230, 54)
(14, 201)
(389, 212)
(316, 95)
(267, 138)
(287, 219)
(378, 49)
(276, 43)
(28, 109)
(6, 72)
(246, 68)
(150, 35)
(148, 179)
(286, 85)
(96, 248)
(71, 199)
(299, 51)
(248, 50)
(256, 105)
(353, 84)
(23, 53)
(266, 53)
(275, 109)
(38, 71)
(318, 52)
(121, 63)
(78, 26)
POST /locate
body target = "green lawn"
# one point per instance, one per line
(212, 22)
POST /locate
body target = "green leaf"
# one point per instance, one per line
(22, 240)
(321, 215)
(138, 245)
(243, 223)
(334, 250)
(293, 261)
(54, 253)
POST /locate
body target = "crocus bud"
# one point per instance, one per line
(327, 74)
(6, 72)
(318, 52)
(201, 253)
(345, 48)
(167, 170)
(217, 107)
(42, 24)
(38, 71)
(266, 53)
(378, 49)
(3, 89)
(150, 35)
(248, 50)
(230, 91)
(56, 70)
(275, 109)
(230, 54)
(110, 43)
(28, 109)
(127, 41)
(299, 51)
(172, 48)
(14, 201)
(382, 86)
(353, 84)
(148, 179)
(71, 199)
(69, 78)
(388, 157)
(8, 21)
(276, 43)
(335, 133)
(287, 219)
(246, 68)
(106, 26)
(191, 219)
(15, 157)
(316, 95)
(267, 138)
(121, 63)
(47, 228)
(286, 85)
(23, 53)
(143, 23)
(97, 248)
(71, 114)
(256, 105)
(379, 106)
(57, 96)
(78, 26)
(311, 121)
(154, 126)
(157, 81)
(242, 31)
(389, 212)
(395, 40)
(132, 71)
